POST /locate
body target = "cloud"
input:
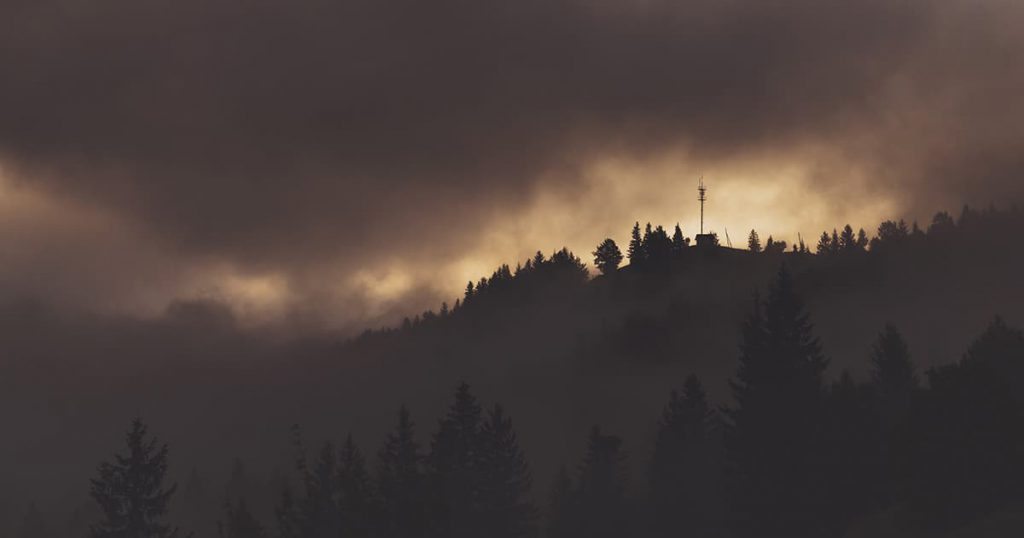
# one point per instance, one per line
(348, 160)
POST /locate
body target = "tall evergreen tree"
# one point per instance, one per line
(679, 243)
(966, 453)
(824, 244)
(601, 507)
(355, 491)
(847, 240)
(130, 491)
(682, 474)
(754, 242)
(853, 455)
(455, 467)
(835, 245)
(320, 509)
(607, 257)
(862, 240)
(772, 440)
(657, 247)
(892, 375)
(636, 246)
(507, 511)
(400, 483)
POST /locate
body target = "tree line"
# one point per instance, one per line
(790, 455)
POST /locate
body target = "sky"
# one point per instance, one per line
(339, 164)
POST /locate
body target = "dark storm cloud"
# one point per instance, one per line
(284, 135)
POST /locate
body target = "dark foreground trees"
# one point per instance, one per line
(594, 505)
(130, 490)
(685, 475)
(794, 456)
(774, 431)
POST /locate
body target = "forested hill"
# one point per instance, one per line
(562, 345)
(676, 304)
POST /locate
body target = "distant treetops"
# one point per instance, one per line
(651, 248)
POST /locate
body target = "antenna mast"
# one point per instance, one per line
(702, 197)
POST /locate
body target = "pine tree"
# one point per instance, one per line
(239, 522)
(400, 483)
(507, 511)
(967, 432)
(772, 439)
(754, 242)
(455, 470)
(130, 491)
(601, 508)
(657, 247)
(355, 491)
(862, 240)
(835, 246)
(681, 474)
(892, 375)
(320, 510)
(824, 244)
(679, 243)
(847, 240)
(607, 257)
(636, 246)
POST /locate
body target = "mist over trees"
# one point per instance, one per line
(776, 437)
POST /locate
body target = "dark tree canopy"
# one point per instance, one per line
(607, 257)
(400, 482)
(130, 490)
(753, 242)
(772, 438)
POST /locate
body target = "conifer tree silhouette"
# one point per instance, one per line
(679, 243)
(967, 448)
(754, 242)
(636, 246)
(400, 483)
(862, 240)
(607, 257)
(847, 240)
(455, 467)
(892, 375)
(824, 244)
(355, 490)
(682, 468)
(320, 510)
(507, 511)
(657, 247)
(601, 510)
(130, 491)
(774, 428)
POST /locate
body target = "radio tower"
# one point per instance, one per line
(702, 195)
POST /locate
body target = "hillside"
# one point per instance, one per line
(560, 348)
